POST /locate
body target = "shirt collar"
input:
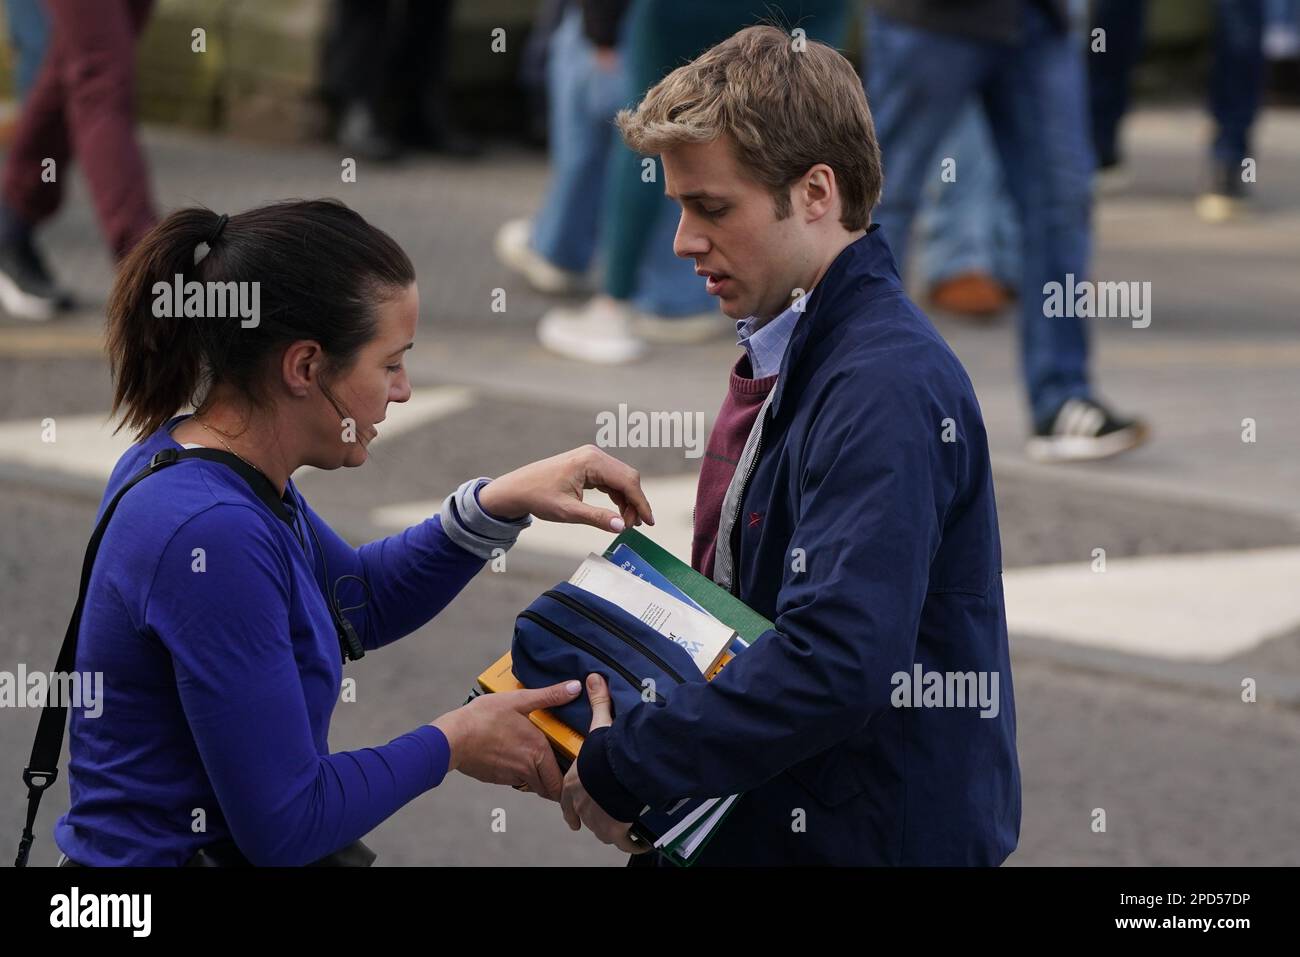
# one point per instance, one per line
(766, 342)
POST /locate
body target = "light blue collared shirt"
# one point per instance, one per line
(766, 342)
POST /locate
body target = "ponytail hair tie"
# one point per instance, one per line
(205, 247)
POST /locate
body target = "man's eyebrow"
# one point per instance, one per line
(696, 195)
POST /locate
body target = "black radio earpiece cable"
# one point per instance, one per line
(349, 643)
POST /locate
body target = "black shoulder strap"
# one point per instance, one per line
(259, 483)
(43, 767)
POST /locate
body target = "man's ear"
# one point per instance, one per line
(817, 193)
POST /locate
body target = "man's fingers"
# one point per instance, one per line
(625, 843)
(566, 808)
(598, 695)
(531, 699)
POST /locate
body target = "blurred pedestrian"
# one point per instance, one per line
(83, 105)
(385, 66)
(1236, 85)
(926, 59)
(968, 238)
(587, 84)
(661, 35)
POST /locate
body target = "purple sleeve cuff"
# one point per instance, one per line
(598, 778)
(439, 748)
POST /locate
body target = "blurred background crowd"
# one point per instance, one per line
(1026, 98)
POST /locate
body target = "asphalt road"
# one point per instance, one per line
(1186, 772)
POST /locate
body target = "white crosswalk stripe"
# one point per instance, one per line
(85, 446)
(1202, 607)
(1199, 607)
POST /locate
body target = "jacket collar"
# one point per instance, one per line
(863, 270)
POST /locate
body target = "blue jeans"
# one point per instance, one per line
(29, 32)
(1284, 13)
(1036, 103)
(583, 100)
(1108, 73)
(969, 224)
(1236, 77)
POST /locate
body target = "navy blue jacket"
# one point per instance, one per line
(868, 534)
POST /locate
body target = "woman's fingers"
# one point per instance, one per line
(602, 518)
(552, 490)
(618, 478)
(625, 508)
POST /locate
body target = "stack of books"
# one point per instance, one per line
(682, 605)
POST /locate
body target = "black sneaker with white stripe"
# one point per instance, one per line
(1084, 429)
(27, 290)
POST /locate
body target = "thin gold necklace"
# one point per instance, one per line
(205, 428)
(293, 509)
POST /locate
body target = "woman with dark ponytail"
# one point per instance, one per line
(211, 610)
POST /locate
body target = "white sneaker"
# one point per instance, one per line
(600, 332)
(683, 330)
(513, 248)
(1084, 429)
(1219, 208)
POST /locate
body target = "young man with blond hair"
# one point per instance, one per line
(846, 495)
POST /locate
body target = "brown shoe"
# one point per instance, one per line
(970, 294)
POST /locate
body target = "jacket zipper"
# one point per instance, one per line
(567, 636)
(599, 619)
(740, 507)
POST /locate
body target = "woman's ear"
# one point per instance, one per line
(300, 366)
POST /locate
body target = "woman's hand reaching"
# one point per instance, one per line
(492, 740)
(552, 490)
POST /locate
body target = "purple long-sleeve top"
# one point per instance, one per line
(221, 668)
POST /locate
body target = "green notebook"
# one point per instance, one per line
(712, 597)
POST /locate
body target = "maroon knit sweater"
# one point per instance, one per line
(744, 398)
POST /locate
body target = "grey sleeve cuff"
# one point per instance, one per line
(472, 528)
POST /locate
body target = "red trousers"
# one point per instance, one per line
(83, 104)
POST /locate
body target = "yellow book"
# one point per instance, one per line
(500, 676)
